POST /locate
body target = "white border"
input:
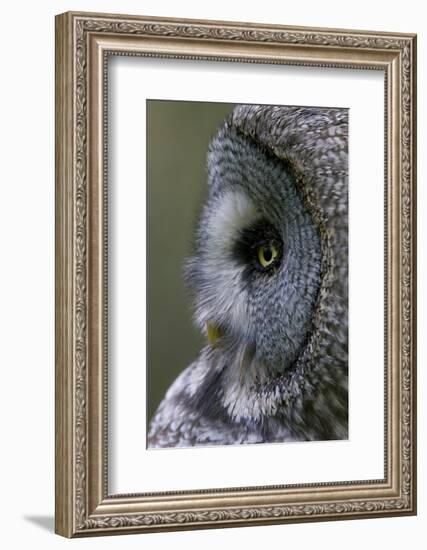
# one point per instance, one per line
(132, 468)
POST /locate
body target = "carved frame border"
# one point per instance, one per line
(83, 43)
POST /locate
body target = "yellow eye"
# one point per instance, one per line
(267, 253)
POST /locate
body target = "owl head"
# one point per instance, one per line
(268, 274)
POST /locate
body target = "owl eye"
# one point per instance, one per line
(267, 253)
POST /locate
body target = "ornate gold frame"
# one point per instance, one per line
(83, 42)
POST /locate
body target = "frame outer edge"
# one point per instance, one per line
(73, 515)
(414, 270)
(232, 24)
(64, 237)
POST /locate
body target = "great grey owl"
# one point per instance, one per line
(269, 278)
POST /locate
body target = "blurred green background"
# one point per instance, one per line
(178, 135)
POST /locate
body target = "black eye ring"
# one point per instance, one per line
(259, 247)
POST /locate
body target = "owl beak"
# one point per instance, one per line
(213, 333)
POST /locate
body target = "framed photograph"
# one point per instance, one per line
(235, 274)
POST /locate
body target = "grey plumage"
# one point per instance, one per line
(278, 371)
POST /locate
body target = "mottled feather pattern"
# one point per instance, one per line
(279, 371)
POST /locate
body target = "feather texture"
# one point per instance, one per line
(279, 369)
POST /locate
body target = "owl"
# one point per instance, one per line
(268, 277)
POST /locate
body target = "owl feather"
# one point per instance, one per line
(269, 282)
